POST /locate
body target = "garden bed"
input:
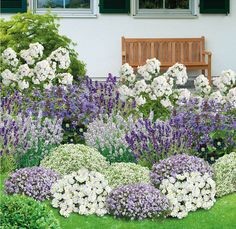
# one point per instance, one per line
(221, 216)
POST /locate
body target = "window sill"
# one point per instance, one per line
(165, 16)
(69, 14)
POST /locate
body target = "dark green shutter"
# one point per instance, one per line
(13, 6)
(214, 6)
(114, 6)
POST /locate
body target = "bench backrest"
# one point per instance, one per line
(168, 51)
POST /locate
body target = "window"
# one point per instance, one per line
(68, 8)
(12, 6)
(165, 8)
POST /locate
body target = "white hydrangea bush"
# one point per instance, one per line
(202, 85)
(83, 192)
(149, 84)
(27, 70)
(188, 192)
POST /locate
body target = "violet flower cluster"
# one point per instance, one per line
(35, 182)
(204, 119)
(178, 164)
(151, 141)
(137, 201)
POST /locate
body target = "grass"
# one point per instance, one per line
(221, 216)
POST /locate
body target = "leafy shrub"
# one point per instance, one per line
(138, 201)
(178, 164)
(119, 174)
(23, 212)
(69, 158)
(34, 182)
(27, 28)
(152, 141)
(225, 174)
(188, 191)
(107, 134)
(84, 192)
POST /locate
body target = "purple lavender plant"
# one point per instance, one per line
(151, 141)
(138, 201)
(34, 182)
(178, 164)
(210, 127)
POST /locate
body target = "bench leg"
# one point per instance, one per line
(204, 72)
(209, 74)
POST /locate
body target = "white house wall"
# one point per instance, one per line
(99, 39)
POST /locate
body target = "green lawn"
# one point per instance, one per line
(221, 216)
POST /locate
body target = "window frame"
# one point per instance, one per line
(67, 12)
(165, 13)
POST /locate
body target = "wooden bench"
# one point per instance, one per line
(188, 51)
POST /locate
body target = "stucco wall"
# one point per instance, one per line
(99, 39)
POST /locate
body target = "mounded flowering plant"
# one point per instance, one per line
(188, 192)
(69, 158)
(152, 141)
(137, 201)
(119, 174)
(107, 134)
(83, 192)
(27, 70)
(178, 164)
(35, 182)
(225, 174)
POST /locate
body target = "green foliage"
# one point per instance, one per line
(33, 157)
(27, 28)
(23, 212)
(225, 174)
(119, 174)
(7, 163)
(159, 111)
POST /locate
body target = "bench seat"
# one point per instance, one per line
(188, 51)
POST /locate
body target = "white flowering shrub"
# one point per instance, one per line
(119, 174)
(150, 90)
(225, 88)
(69, 158)
(225, 174)
(27, 70)
(83, 192)
(188, 192)
(202, 85)
(226, 81)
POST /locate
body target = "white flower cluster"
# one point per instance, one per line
(150, 69)
(202, 85)
(127, 73)
(34, 52)
(182, 95)
(83, 192)
(41, 73)
(226, 81)
(178, 72)
(9, 56)
(151, 84)
(217, 97)
(189, 191)
(61, 58)
(231, 97)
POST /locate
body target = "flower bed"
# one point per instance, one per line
(149, 148)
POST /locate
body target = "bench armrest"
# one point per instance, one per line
(207, 53)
